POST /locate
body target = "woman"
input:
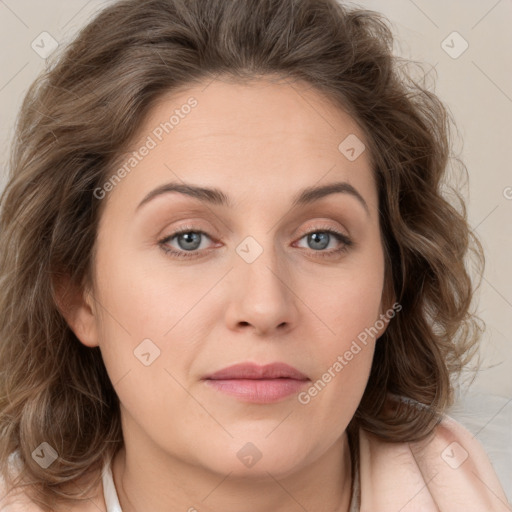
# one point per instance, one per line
(231, 280)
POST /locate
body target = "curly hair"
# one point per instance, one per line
(82, 112)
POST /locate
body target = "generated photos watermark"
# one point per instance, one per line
(305, 397)
(151, 142)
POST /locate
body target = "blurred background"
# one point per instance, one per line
(465, 47)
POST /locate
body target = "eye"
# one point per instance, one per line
(320, 238)
(189, 241)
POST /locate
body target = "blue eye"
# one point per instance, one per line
(189, 242)
(320, 239)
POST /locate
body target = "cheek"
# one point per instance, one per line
(346, 349)
(344, 363)
(350, 302)
(350, 308)
(147, 300)
(150, 310)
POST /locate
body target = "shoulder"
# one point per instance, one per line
(14, 500)
(449, 471)
(17, 500)
(18, 503)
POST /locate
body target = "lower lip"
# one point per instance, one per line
(261, 391)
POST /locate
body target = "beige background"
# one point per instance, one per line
(477, 87)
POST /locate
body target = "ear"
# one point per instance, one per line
(77, 306)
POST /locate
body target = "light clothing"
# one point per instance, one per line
(109, 491)
(449, 472)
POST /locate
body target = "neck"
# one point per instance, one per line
(166, 484)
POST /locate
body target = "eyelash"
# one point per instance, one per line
(341, 237)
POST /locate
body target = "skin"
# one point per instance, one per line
(260, 143)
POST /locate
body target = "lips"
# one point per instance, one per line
(250, 382)
(254, 371)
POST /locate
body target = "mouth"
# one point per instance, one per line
(265, 384)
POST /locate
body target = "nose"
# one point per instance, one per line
(262, 296)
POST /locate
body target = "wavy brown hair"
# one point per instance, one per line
(81, 114)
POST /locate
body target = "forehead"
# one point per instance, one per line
(247, 136)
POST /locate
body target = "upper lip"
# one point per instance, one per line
(255, 371)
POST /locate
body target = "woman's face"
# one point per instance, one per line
(258, 278)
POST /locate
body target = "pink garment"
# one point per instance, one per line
(449, 472)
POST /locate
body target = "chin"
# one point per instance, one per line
(257, 458)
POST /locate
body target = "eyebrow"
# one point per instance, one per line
(217, 197)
